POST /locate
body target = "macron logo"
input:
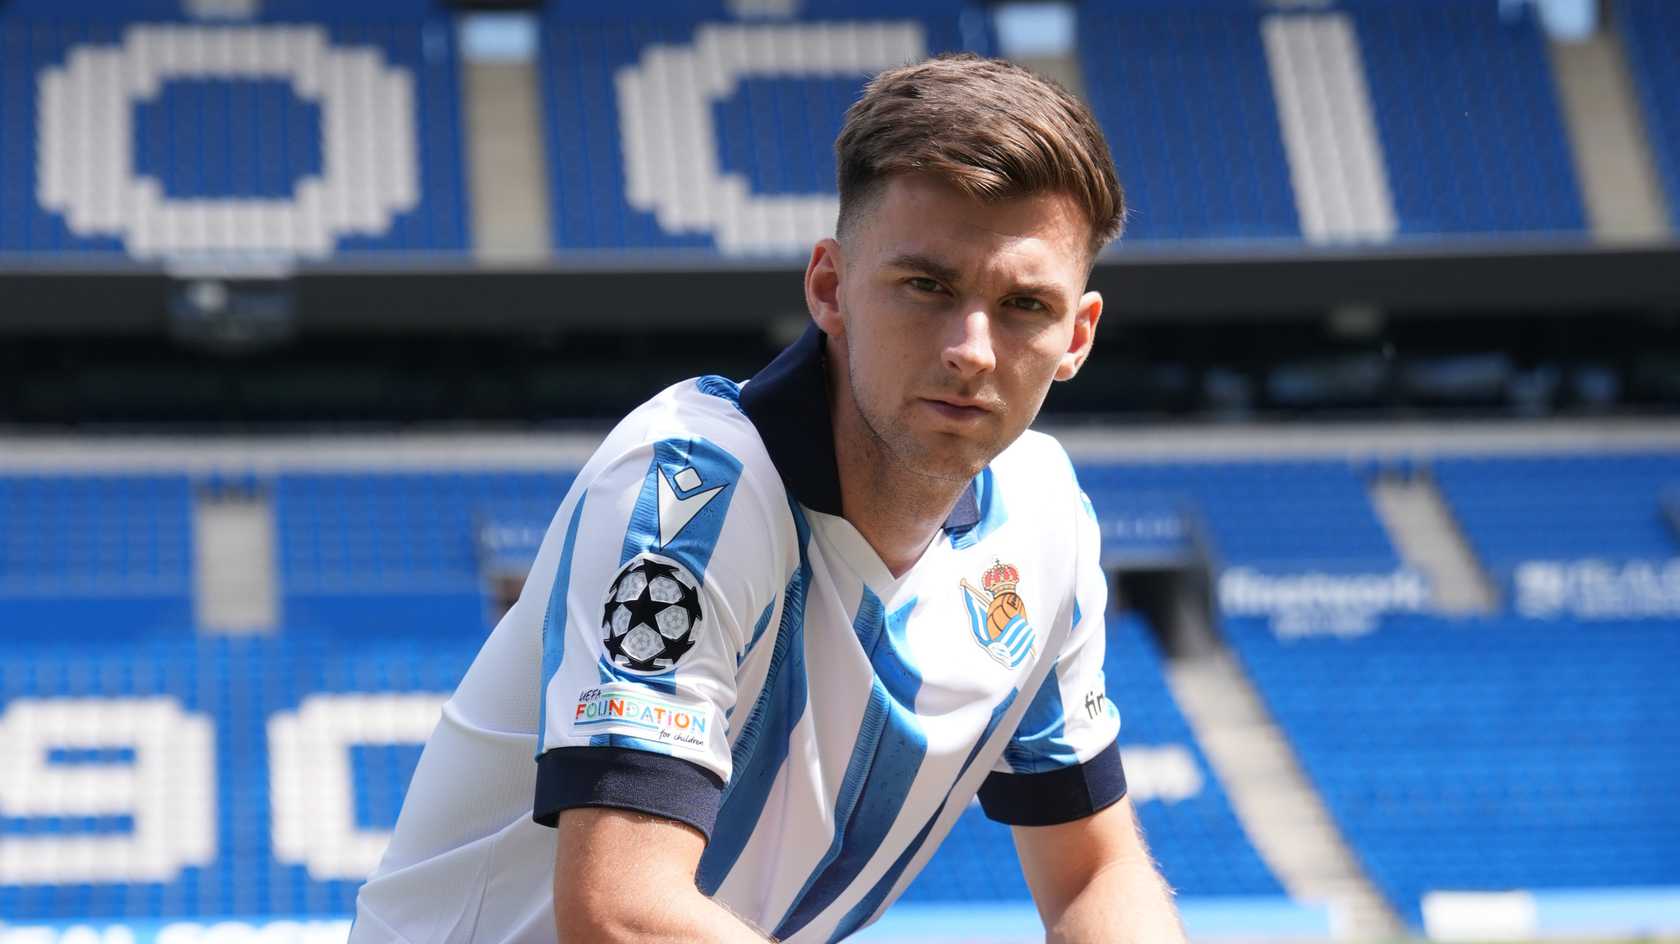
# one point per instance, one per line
(675, 513)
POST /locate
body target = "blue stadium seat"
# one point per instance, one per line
(1468, 114)
(1183, 95)
(1562, 507)
(1279, 515)
(1488, 753)
(309, 130)
(396, 552)
(94, 554)
(239, 684)
(1472, 143)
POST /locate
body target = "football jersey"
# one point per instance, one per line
(703, 637)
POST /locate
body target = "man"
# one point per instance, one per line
(780, 633)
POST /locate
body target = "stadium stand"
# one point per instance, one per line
(1562, 507)
(381, 601)
(1452, 752)
(1486, 753)
(356, 556)
(1284, 515)
(1189, 822)
(353, 555)
(1182, 93)
(94, 554)
(307, 131)
(1564, 744)
(1468, 114)
(1650, 32)
(241, 685)
(1472, 144)
(674, 128)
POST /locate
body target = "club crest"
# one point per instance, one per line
(998, 616)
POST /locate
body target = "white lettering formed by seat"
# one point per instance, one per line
(370, 168)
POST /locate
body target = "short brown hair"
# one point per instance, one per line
(989, 127)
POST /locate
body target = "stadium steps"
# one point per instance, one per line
(1608, 139)
(1324, 111)
(1429, 539)
(235, 586)
(1283, 816)
(507, 166)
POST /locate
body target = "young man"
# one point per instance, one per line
(780, 633)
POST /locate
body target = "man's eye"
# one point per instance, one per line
(923, 284)
(1028, 304)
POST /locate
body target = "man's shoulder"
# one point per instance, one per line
(692, 455)
(700, 415)
(709, 401)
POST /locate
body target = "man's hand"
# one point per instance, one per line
(624, 876)
(1093, 881)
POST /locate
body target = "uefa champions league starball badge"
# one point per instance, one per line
(648, 623)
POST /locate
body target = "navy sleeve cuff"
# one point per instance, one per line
(655, 784)
(1055, 796)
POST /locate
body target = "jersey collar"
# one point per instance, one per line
(788, 402)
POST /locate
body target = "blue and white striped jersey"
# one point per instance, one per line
(703, 637)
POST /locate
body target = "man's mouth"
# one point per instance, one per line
(958, 408)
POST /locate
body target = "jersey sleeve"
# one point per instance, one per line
(663, 549)
(1062, 763)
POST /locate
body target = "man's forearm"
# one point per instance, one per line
(1124, 903)
(625, 876)
(683, 915)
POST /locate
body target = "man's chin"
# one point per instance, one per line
(947, 465)
(941, 455)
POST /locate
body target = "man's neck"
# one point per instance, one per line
(897, 511)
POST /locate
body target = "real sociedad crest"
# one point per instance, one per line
(998, 616)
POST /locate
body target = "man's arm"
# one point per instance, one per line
(625, 876)
(1094, 881)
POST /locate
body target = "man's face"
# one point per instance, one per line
(952, 317)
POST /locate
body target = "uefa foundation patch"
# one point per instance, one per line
(625, 708)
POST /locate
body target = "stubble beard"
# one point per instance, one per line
(899, 455)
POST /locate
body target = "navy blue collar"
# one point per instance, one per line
(788, 402)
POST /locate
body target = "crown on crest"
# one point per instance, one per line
(1000, 577)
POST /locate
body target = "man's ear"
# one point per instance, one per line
(822, 287)
(1085, 319)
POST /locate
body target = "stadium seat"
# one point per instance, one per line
(239, 684)
(1182, 93)
(94, 554)
(1562, 507)
(1291, 515)
(1485, 753)
(1475, 141)
(365, 552)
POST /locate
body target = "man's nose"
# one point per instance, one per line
(969, 351)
